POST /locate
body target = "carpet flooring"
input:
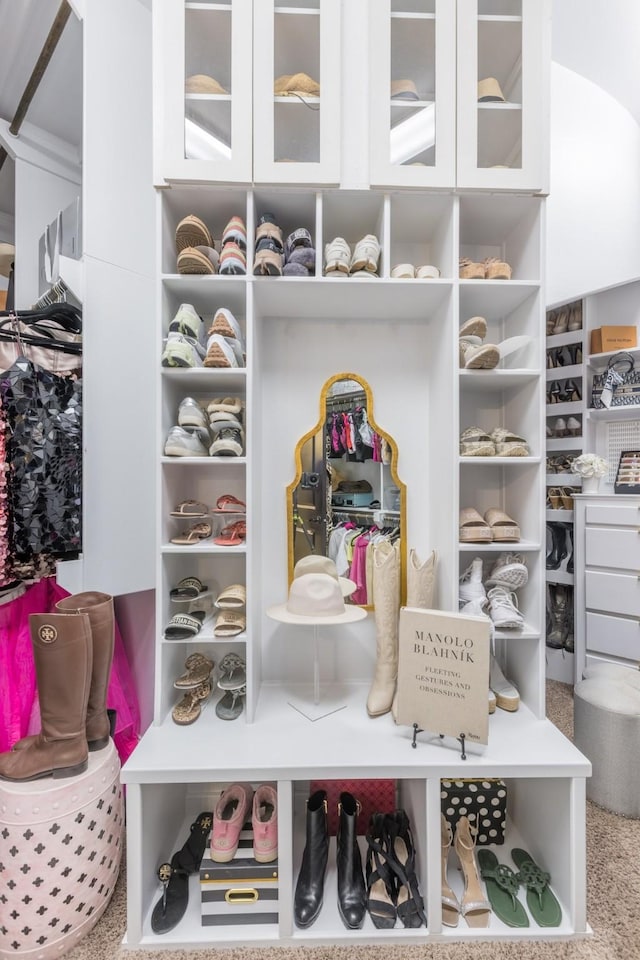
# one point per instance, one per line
(613, 904)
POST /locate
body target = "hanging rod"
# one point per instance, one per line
(38, 72)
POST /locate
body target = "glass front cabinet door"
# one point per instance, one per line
(412, 93)
(203, 88)
(503, 94)
(296, 85)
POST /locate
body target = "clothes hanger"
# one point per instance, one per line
(65, 315)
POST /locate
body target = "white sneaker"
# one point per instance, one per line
(221, 352)
(191, 414)
(477, 608)
(337, 257)
(186, 321)
(507, 697)
(181, 351)
(503, 609)
(471, 586)
(508, 571)
(366, 255)
(225, 324)
(187, 442)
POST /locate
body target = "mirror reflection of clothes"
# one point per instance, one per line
(351, 548)
(350, 434)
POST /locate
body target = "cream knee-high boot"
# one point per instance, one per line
(421, 582)
(386, 597)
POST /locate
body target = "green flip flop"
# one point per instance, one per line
(542, 903)
(502, 887)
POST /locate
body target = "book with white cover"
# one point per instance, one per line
(443, 673)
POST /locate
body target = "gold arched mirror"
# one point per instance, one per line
(346, 480)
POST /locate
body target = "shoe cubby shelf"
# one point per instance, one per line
(568, 345)
(176, 806)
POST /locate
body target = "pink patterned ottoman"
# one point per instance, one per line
(60, 846)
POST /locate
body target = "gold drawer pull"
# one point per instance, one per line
(241, 895)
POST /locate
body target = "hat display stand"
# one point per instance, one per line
(315, 600)
(312, 700)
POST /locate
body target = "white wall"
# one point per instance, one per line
(40, 195)
(121, 349)
(593, 212)
(135, 615)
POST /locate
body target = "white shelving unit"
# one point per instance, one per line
(401, 336)
(566, 346)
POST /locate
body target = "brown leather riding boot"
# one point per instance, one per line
(99, 609)
(62, 655)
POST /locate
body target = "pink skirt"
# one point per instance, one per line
(19, 708)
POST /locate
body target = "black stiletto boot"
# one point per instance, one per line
(559, 548)
(409, 902)
(558, 595)
(309, 893)
(569, 540)
(352, 897)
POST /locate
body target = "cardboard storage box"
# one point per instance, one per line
(242, 891)
(606, 339)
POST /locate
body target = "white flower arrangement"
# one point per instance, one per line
(589, 465)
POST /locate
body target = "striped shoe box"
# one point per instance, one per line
(242, 891)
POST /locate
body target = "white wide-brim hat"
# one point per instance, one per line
(315, 598)
(318, 564)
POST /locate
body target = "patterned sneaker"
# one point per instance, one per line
(503, 609)
(198, 260)
(191, 232)
(222, 352)
(508, 571)
(181, 351)
(235, 232)
(186, 321)
(233, 261)
(229, 441)
(227, 326)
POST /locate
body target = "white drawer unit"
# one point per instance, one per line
(616, 636)
(605, 547)
(614, 514)
(607, 579)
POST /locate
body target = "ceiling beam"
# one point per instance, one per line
(48, 48)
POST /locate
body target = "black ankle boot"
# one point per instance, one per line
(310, 885)
(352, 897)
(559, 546)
